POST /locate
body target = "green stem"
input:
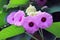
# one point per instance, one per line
(31, 36)
(41, 34)
(55, 38)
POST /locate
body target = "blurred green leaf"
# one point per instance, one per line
(11, 31)
(3, 15)
(55, 29)
(2, 3)
(15, 3)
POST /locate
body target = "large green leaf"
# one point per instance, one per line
(15, 3)
(55, 29)
(11, 31)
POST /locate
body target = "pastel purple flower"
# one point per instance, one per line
(45, 20)
(30, 24)
(41, 2)
(18, 18)
(10, 18)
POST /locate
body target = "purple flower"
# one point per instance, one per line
(10, 18)
(45, 20)
(30, 24)
(41, 2)
(18, 18)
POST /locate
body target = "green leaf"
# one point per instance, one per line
(16, 3)
(55, 29)
(3, 13)
(11, 31)
(3, 18)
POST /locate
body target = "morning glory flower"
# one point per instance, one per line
(16, 18)
(10, 18)
(19, 17)
(30, 24)
(45, 20)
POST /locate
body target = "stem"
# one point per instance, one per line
(31, 36)
(41, 34)
(44, 7)
(55, 38)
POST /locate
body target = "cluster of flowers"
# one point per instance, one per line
(31, 23)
